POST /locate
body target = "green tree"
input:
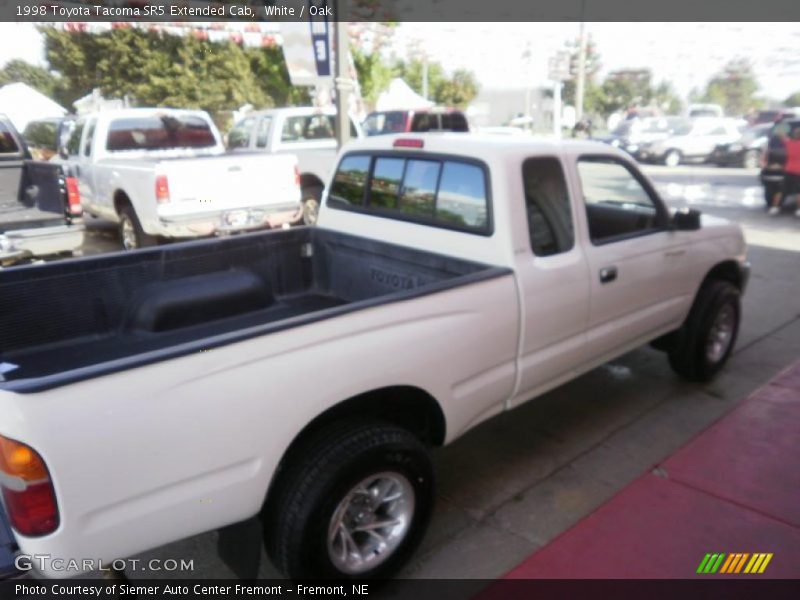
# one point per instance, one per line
(625, 88)
(37, 77)
(734, 88)
(152, 68)
(374, 74)
(458, 90)
(793, 100)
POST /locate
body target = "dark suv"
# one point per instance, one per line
(772, 171)
(415, 121)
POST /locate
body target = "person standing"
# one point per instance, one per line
(791, 173)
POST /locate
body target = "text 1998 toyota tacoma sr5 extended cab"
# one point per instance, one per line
(301, 375)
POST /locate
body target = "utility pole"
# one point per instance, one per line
(581, 83)
(342, 80)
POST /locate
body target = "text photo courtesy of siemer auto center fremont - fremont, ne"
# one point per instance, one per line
(398, 298)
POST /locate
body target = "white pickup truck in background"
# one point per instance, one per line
(302, 375)
(307, 132)
(164, 173)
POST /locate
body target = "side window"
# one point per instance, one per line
(262, 135)
(8, 145)
(434, 191)
(385, 183)
(239, 136)
(616, 203)
(74, 143)
(548, 207)
(350, 180)
(462, 196)
(87, 148)
(418, 194)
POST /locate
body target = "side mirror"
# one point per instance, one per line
(62, 152)
(686, 219)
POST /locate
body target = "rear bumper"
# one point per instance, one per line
(43, 241)
(226, 221)
(8, 547)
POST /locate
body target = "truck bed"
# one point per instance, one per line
(63, 322)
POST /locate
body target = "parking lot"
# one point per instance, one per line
(516, 482)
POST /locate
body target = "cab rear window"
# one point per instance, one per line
(440, 192)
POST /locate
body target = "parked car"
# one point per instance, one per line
(416, 121)
(771, 116)
(163, 173)
(40, 210)
(695, 111)
(307, 132)
(772, 171)
(693, 142)
(635, 135)
(45, 136)
(746, 152)
(303, 374)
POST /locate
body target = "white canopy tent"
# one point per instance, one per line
(23, 104)
(399, 96)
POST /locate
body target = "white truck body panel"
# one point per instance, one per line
(205, 184)
(191, 444)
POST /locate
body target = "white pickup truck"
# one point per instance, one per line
(307, 132)
(302, 375)
(164, 173)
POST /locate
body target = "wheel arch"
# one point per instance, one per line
(409, 407)
(727, 270)
(121, 199)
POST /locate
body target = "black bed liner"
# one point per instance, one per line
(72, 320)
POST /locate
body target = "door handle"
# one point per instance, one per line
(674, 253)
(608, 274)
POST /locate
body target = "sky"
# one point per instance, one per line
(686, 54)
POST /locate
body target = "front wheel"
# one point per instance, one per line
(353, 505)
(702, 346)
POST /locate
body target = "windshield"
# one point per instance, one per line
(385, 122)
(159, 132)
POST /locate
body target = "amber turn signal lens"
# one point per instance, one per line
(19, 460)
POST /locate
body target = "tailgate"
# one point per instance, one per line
(231, 181)
(31, 195)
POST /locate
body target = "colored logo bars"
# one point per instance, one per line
(734, 563)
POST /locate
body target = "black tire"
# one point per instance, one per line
(319, 477)
(690, 355)
(139, 239)
(751, 159)
(673, 158)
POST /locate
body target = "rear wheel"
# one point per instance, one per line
(131, 233)
(672, 158)
(751, 159)
(702, 346)
(353, 504)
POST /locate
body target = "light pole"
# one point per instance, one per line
(342, 80)
(581, 83)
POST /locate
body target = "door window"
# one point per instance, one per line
(262, 136)
(548, 207)
(617, 205)
(8, 145)
(239, 136)
(87, 148)
(74, 142)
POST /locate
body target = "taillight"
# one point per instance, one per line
(296, 176)
(27, 489)
(162, 189)
(73, 198)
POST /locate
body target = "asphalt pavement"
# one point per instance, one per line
(516, 482)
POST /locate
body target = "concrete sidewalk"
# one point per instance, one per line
(732, 490)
